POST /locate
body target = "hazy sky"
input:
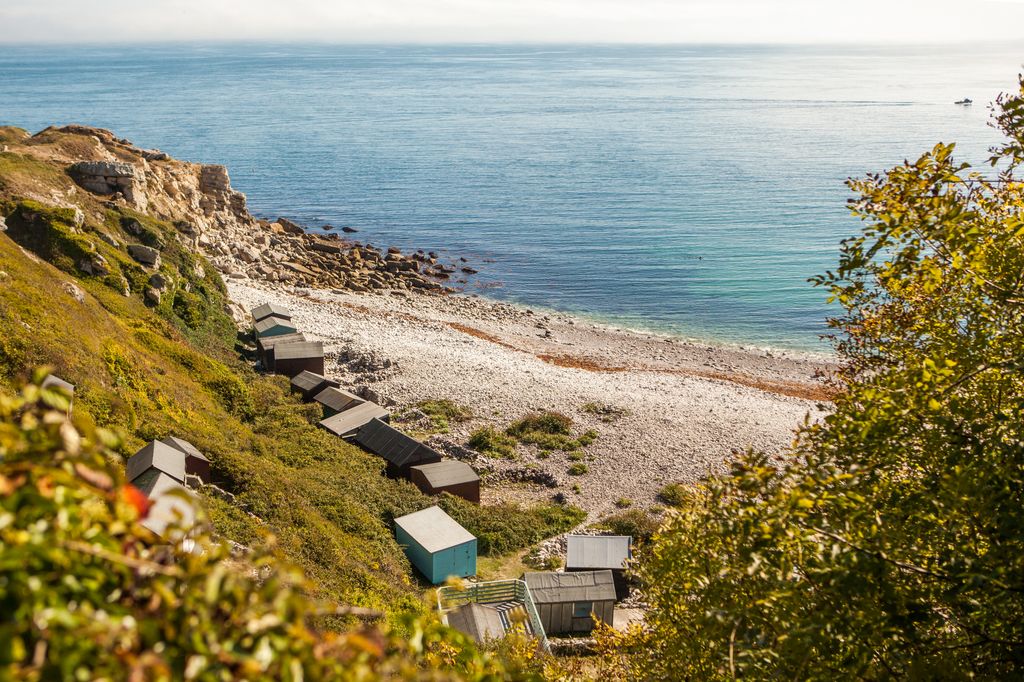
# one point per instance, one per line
(891, 21)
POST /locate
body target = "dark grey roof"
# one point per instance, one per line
(269, 324)
(269, 342)
(159, 456)
(351, 420)
(268, 309)
(478, 621)
(557, 588)
(446, 472)
(298, 349)
(393, 445)
(307, 381)
(184, 446)
(597, 551)
(337, 399)
(53, 381)
(433, 529)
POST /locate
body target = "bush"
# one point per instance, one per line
(637, 523)
(549, 431)
(443, 413)
(489, 441)
(606, 413)
(578, 469)
(674, 494)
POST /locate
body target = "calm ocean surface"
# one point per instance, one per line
(690, 190)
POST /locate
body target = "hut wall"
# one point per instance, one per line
(292, 366)
(459, 560)
(418, 556)
(618, 576)
(559, 617)
(198, 467)
(467, 491)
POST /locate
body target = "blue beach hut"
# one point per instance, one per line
(436, 544)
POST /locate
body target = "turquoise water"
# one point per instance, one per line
(690, 190)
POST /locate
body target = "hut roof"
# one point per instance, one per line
(433, 529)
(298, 349)
(556, 588)
(307, 381)
(271, 342)
(393, 445)
(53, 381)
(337, 399)
(159, 456)
(268, 323)
(478, 621)
(165, 508)
(184, 446)
(268, 309)
(353, 419)
(446, 472)
(597, 551)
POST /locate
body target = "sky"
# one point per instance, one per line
(526, 21)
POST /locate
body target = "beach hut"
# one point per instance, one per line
(447, 476)
(335, 400)
(347, 423)
(601, 552)
(482, 622)
(308, 384)
(196, 463)
(154, 459)
(292, 358)
(273, 326)
(267, 344)
(566, 601)
(54, 381)
(436, 544)
(266, 310)
(399, 450)
(166, 503)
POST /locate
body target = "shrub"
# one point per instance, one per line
(489, 441)
(606, 413)
(549, 431)
(623, 503)
(674, 494)
(444, 412)
(638, 523)
(578, 469)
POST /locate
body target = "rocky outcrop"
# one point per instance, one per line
(106, 177)
(145, 255)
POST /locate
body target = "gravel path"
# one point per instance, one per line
(688, 406)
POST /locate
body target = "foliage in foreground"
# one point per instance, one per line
(86, 592)
(891, 544)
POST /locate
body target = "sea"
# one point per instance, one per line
(686, 190)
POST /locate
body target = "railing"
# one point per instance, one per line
(493, 592)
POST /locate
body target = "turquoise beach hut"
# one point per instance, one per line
(436, 544)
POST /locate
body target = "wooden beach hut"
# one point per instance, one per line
(335, 400)
(54, 381)
(566, 601)
(196, 463)
(273, 326)
(396, 448)
(436, 544)
(266, 346)
(482, 622)
(166, 504)
(308, 384)
(154, 459)
(347, 423)
(601, 552)
(270, 309)
(303, 356)
(447, 476)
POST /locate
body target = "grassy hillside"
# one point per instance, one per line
(149, 368)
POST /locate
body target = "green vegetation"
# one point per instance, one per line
(604, 412)
(489, 441)
(890, 545)
(578, 469)
(674, 494)
(623, 503)
(443, 413)
(88, 593)
(641, 524)
(549, 431)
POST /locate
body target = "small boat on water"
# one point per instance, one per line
(964, 102)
